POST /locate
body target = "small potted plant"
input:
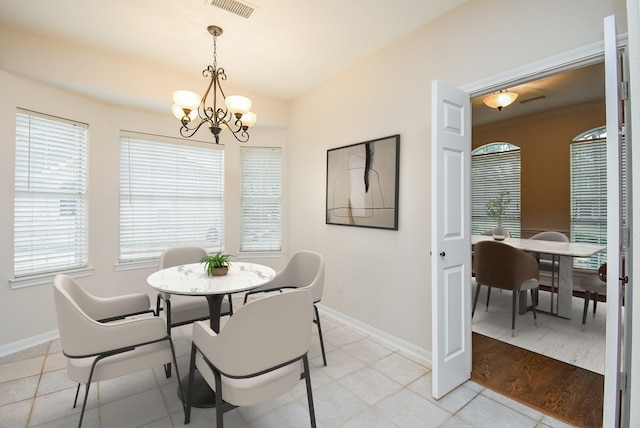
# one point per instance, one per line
(217, 265)
(497, 209)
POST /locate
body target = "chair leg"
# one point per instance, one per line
(533, 306)
(180, 386)
(488, 296)
(192, 366)
(513, 313)
(475, 300)
(167, 310)
(86, 392)
(307, 379)
(219, 403)
(158, 299)
(595, 302)
(586, 308)
(75, 401)
(84, 404)
(553, 277)
(317, 321)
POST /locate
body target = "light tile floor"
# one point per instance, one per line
(367, 383)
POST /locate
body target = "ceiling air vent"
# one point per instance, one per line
(234, 6)
(539, 97)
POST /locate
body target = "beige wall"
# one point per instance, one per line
(383, 278)
(544, 141)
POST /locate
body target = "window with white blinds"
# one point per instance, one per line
(589, 192)
(261, 198)
(171, 194)
(495, 168)
(50, 205)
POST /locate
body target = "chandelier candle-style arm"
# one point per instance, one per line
(188, 106)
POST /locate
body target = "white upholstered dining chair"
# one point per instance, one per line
(304, 270)
(550, 262)
(180, 310)
(256, 356)
(98, 350)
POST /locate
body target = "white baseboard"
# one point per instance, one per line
(418, 354)
(28, 342)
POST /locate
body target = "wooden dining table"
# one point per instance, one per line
(565, 251)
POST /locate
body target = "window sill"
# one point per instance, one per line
(34, 280)
(260, 255)
(122, 266)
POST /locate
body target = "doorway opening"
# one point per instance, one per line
(543, 121)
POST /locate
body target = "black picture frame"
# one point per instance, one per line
(363, 184)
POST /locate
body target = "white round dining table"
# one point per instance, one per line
(192, 280)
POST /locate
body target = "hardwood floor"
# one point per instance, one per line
(566, 392)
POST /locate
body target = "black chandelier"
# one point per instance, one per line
(188, 106)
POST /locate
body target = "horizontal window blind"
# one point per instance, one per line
(171, 194)
(589, 198)
(50, 206)
(261, 199)
(492, 173)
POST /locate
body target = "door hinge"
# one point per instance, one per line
(623, 381)
(624, 90)
(626, 237)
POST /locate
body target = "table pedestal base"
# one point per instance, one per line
(203, 395)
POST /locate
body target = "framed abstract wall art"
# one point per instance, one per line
(362, 184)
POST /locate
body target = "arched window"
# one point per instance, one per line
(589, 193)
(495, 168)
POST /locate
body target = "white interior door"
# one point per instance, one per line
(611, 412)
(451, 237)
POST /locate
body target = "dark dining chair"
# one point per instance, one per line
(499, 265)
(595, 284)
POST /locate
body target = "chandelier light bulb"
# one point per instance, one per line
(180, 113)
(248, 119)
(186, 99)
(238, 105)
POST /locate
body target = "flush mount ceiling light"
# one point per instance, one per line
(188, 106)
(500, 99)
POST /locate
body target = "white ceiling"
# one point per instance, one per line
(283, 49)
(582, 85)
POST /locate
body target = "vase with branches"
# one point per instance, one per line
(497, 209)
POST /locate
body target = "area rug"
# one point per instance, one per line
(565, 392)
(558, 338)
